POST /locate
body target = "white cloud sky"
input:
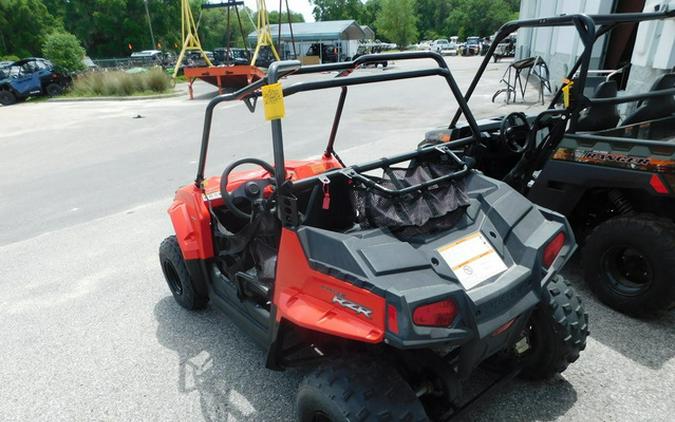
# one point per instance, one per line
(302, 6)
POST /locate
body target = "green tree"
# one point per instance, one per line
(397, 21)
(369, 13)
(330, 10)
(295, 17)
(64, 50)
(432, 16)
(24, 26)
(479, 17)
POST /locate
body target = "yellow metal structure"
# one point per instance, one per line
(190, 36)
(264, 34)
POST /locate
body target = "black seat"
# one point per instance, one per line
(600, 116)
(656, 107)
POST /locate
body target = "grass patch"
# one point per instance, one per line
(121, 84)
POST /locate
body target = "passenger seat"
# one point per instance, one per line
(655, 107)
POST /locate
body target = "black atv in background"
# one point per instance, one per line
(615, 181)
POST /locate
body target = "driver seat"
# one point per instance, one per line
(600, 116)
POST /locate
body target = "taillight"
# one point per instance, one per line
(657, 184)
(553, 248)
(392, 318)
(437, 314)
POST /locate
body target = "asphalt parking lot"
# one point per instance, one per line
(88, 328)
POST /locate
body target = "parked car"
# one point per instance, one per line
(235, 56)
(506, 48)
(471, 47)
(152, 58)
(424, 45)
(30, 77)
(265, 57)
(444, 47)
(195, 58)
(89, 63)
(485, 45)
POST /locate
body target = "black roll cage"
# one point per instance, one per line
(584, 24)
(586, 27)
(279, 69)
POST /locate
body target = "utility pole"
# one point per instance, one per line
(147, 14)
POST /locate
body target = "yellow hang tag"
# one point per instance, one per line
(566, 93)
(273, 101)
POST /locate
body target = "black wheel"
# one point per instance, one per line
(351, 391)
(7, 97)
(628, 263)
(556, 333)
(177, 276)
(54, 89)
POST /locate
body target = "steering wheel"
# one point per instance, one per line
(251, 190)
(514, 130)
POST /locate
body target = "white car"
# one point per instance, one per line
(444, 47)
(423, 45)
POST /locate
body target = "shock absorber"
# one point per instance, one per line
(620, 202)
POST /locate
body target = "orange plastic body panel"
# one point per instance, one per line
(306, 297)
(190, 214)
(192, 223)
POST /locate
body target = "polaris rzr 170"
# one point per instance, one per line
(395, 287)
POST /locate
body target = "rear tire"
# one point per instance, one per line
(7, 97)
(558, 331)
(177, 276)
(628, 263)
(357, 391)
(53, 90)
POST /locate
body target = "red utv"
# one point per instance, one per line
(395, 287)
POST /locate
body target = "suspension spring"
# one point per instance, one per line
(620, 202)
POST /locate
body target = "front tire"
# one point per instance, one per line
(628, 263)
(356, 391)
(177, 276)
(557, 332)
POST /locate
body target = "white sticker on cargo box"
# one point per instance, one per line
(472, 259)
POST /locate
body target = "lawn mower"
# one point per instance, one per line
(614, 180)
(393, 279)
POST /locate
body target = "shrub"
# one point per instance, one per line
(119, 83)
(64, 50)
(10, 58)
(157, 80)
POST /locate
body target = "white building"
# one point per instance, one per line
(344, 36)
(650, 49)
